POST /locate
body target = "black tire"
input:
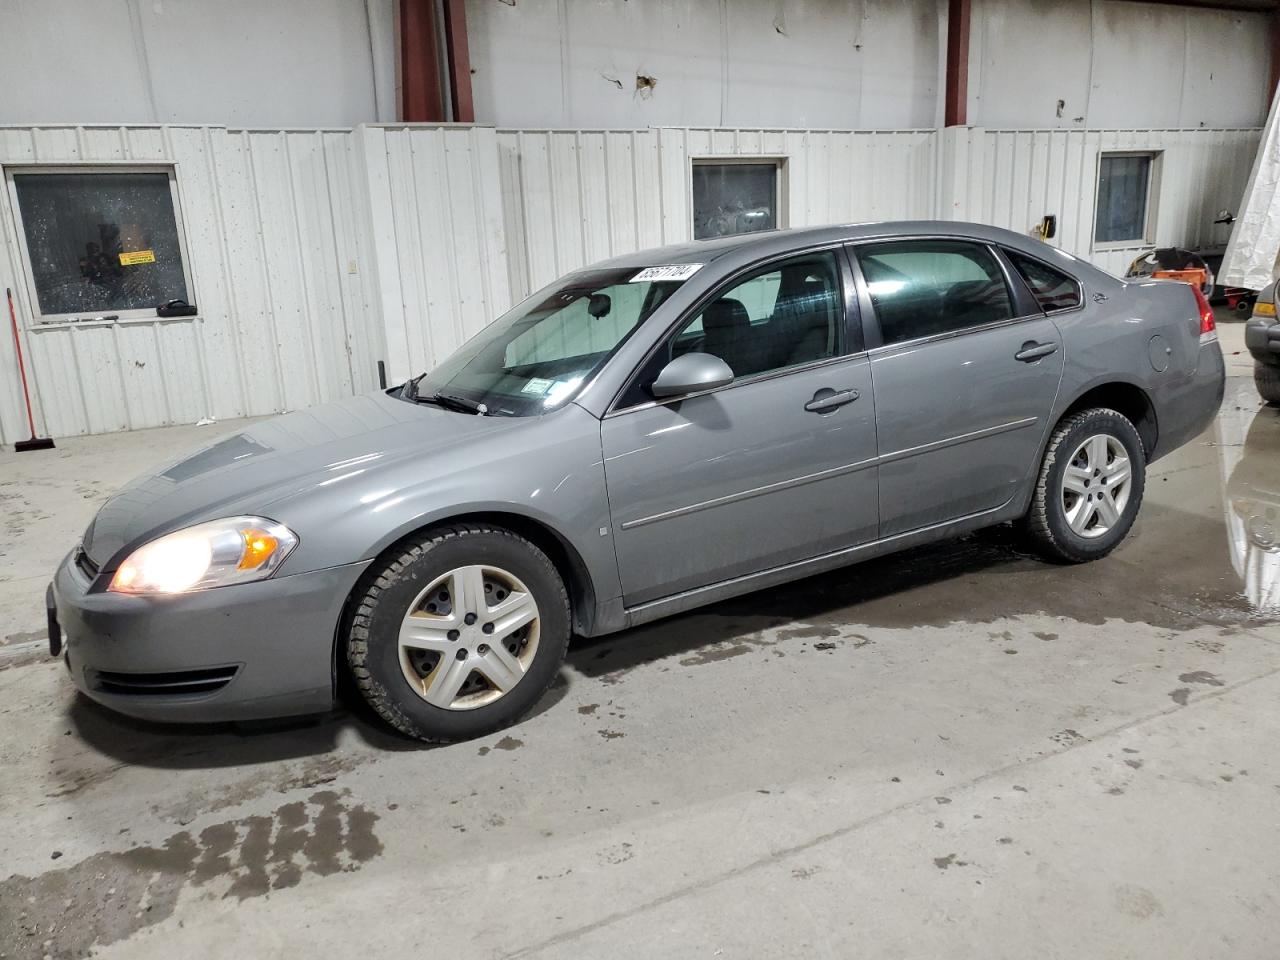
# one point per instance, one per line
(395, 581)
(1267, 380)
(1046, 521)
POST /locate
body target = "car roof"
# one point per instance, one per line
(766, 243)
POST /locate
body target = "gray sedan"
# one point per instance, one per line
(643, 436)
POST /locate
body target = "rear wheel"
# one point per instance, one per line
(459, 633)
(1267, 380)
(1089, 487)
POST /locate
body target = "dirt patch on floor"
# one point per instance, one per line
(110, 896)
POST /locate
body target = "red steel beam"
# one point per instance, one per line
(421, 92)
(455, 42)
(957, 92)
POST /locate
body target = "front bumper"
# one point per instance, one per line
(1262, 339)
(243, 652)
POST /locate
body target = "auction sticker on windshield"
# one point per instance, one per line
(674, 271)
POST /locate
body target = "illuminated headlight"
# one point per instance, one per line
(214, 554)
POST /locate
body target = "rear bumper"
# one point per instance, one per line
(245, 652)
(1262, 339)
(1185, 409)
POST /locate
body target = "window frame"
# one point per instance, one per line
(1007, 253)
(1024, 304)
(780, 189)
(139, 315)
(851, 328)
(1148, 207)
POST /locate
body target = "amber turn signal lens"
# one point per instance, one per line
(258, 548)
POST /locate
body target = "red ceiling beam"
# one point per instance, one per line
(957, 92)
(421, 90)
(428, 73)
(455, 40)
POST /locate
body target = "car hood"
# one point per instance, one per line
(268, 463)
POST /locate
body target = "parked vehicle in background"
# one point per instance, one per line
(641, 437)
(1262, 338)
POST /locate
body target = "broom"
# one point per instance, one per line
(35, 443)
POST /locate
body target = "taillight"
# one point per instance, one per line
(1208, 326)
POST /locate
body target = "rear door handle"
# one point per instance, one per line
(1032, 351)
(827, 399)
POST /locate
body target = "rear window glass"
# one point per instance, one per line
(1053, 289)
(922, 288)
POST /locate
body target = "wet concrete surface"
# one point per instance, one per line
(956, 751)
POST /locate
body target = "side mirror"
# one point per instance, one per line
(691, 373)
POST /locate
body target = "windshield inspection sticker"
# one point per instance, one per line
(674, 271)
(537, 386)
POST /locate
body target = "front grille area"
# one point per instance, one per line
(181, 683)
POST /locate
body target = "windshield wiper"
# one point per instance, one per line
(410, 390)
(453, 402)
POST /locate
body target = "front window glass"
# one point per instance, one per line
(785, 315)
(536, 357)
(788, 314)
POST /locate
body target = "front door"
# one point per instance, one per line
(776, 467)
(965, 378)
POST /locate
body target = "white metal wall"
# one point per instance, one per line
(1072, 64)
(1100, 64)
(242, 63)
(439, 244)
(314, 254)
(1011, 178)
(574, 197)
(274, 227)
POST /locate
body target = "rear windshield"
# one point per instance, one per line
(536, 357)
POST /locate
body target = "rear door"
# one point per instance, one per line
(966, 368)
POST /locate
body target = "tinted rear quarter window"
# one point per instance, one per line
(1053, 289)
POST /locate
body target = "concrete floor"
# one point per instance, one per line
(956, 752)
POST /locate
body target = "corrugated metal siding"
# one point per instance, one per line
(1021, 175)
(277, 266)
(436, 210)
(571, 197)
(313, 254)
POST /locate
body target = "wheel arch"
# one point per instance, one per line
(564, 556)
(1125, 397)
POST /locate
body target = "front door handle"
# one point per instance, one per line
(1032, 351)
(826, 400)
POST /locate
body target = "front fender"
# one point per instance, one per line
(550, 473)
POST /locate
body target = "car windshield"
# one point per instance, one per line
(536, 357)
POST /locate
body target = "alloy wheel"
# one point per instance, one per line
(469, 637)
(1096, 485)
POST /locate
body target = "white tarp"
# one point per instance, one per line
(1254, 248)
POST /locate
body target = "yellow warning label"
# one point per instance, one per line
(137, 256)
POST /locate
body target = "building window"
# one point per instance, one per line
(735, 197)
(1124, 192)
(100, 241)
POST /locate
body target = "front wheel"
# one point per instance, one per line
(458, 633)
(1089, 487)
(1267, 379)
